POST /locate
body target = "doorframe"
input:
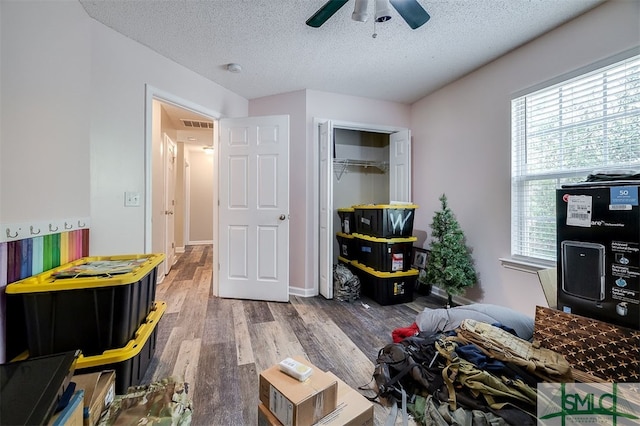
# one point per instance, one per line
(169, 204)
(337, 124)
(187, 202)
(152, 93)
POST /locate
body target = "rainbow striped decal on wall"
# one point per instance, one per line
(21, 259)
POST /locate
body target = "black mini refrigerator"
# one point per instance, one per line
(598, 251)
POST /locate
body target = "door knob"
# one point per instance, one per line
(282, 217)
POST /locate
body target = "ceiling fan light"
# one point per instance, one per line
(383, 11)
(360, 11)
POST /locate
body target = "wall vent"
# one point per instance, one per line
(195, 124)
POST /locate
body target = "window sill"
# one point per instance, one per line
(528, 266)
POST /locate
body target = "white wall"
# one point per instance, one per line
(461, 141)
(44, 126)
(201, 197)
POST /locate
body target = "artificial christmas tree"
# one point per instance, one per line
(450, 265)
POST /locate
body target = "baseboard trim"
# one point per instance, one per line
(302, 292)
(458, 300)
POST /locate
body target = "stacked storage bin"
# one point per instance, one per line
(103, 306)
(346, 241)
(383, 246)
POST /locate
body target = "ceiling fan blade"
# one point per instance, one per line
(325, 12)
(411, 11)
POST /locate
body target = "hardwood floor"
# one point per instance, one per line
(219, 346)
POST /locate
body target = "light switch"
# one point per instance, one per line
(131, 199)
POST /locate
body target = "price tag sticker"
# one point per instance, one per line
(579, 208)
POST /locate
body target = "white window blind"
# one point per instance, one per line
(561, 134)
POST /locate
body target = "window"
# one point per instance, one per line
(561, 134)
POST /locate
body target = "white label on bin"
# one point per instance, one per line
(397, 262)
(579, 209)
(280, 406)
(346, 226)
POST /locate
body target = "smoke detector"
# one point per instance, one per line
(234, 68)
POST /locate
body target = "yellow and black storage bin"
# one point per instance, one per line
(130, 362)
(347, 220)
(384, 254)
(386, 288)
(385, 220)
(92, 304)
(347, 245)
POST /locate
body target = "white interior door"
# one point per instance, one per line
(400, 166)
(254, 208)
(326, 210)
(171, 153)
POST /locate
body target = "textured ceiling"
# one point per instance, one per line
(279, 53)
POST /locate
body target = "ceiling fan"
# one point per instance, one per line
(410, 10)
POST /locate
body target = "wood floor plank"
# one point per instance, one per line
(271, 345)
(219, 391)
(167, 358)
(193, 314)
(202, 279)
(257, 312)
(249, 383)
(218, 321)
(244, 348)
(186, 365)
(175, 300)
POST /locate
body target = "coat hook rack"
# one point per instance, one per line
(13, 231)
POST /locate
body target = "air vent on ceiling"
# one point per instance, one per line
(195, 124)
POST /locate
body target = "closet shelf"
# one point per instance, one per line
(341, 164)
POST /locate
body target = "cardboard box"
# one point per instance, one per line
(353, 409)
(71, 415)
(296, 403)
(549, 281)
(266, 417)
(598, 252)
(99, 391)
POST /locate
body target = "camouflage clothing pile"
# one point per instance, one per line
(346, 284)
(162, 403)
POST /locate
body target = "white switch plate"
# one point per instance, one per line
(131, 199)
